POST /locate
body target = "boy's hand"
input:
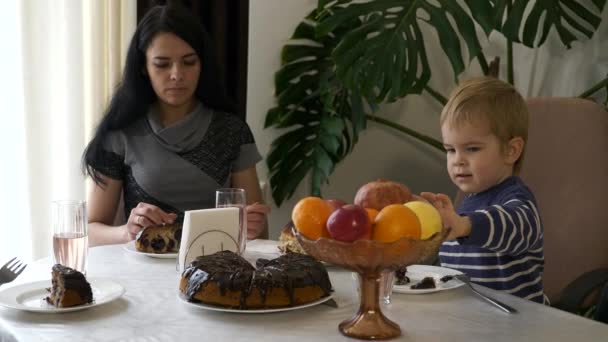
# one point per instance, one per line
(419, 198)
(461, 225)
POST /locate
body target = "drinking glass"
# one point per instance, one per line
(70, 238)
(387, 281)
(235, 197)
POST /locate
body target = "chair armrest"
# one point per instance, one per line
(575, 293)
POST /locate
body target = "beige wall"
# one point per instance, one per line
(382, 153)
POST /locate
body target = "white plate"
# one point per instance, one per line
(30, 296)
(219, 308)
(417, 272)
(130, 247)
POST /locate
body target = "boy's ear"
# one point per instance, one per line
(515, 147)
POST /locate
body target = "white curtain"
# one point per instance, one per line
(553, 69)
(63, 58)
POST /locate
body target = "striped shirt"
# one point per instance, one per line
(505, 248)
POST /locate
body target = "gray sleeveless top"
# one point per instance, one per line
(178, 167)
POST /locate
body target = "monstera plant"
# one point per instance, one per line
(349, 56)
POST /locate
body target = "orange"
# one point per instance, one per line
(310, 216)
(372, 213)
(394, 222)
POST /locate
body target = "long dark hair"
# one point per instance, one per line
(134, 95)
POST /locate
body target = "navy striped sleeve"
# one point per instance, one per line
(509, 228)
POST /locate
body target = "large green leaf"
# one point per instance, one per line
(349, 55)
(570, 18)
(385, 58)
(314, 105)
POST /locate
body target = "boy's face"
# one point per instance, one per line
(476, 160)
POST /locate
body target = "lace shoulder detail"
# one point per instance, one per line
(220, 146)
(110, 164)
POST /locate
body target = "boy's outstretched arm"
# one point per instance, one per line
(461, 225)
(512, 227)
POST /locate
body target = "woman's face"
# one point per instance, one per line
(174, 69)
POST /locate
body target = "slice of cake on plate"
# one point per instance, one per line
(288, 242)
(69, 288)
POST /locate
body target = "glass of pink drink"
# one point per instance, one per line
(70, 238)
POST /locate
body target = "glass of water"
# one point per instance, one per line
(70, 236)
(235, 197)
(387, 281)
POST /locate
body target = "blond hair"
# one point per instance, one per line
(488, 99)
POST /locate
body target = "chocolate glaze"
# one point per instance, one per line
(232, 272)
(72, 280)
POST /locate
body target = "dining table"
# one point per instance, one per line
(150, 309)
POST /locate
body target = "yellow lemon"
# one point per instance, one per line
(429, 217)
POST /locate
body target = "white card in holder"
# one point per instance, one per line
(207, 231)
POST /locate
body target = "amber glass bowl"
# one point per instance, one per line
(370, 258)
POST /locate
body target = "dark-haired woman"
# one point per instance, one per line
(167, 140)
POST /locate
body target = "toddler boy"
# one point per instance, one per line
(496, 235)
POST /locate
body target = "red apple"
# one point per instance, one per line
(335, 204)
(349, 223)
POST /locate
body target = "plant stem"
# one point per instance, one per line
(483, 63)
(436, 95)
(510, 77)
(592, 90)
(424, 138)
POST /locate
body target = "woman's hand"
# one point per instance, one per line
(146, 215)
(460, 225)
(256, 219)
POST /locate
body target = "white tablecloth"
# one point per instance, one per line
(151, 311)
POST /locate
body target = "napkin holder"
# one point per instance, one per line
(208, 231)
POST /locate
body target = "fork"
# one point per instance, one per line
(504, 307)
(11, 270)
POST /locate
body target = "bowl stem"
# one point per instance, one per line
(369, 322)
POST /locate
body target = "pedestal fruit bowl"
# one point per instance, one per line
(370, 258)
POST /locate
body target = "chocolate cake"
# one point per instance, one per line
(424, 284)
(69, 288)
(160, 239)
(400, 276)
(226, 279)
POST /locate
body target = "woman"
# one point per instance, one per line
(166, 142)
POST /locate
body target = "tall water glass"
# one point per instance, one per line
(235, 197)
(387, 282)
(70, 238)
